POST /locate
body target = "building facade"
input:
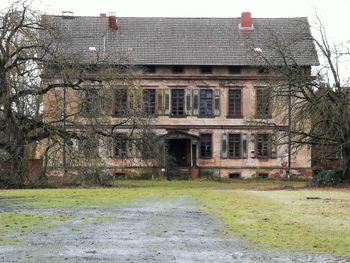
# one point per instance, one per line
(202, 89)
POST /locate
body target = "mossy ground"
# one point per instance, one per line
(256, 210)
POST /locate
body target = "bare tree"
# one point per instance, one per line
(312, 108)
(78, 94)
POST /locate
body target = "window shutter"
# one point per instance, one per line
(253, 141)
(273, 146)
(217, 102)
(195, 104)
(244, 145)
(188, 96)
(160, 103)
(167, 102)
(224, 146)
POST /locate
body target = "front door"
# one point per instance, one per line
(179, 151)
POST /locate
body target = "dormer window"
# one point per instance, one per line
(177, 69)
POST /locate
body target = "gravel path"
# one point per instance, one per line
(152, 231)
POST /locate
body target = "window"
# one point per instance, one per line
(149, 101)
(120, 102)
(234, 146)
(263, 70)
(263, 175)
(263, 103)
(177, 69)
(148, 69)
(206, 103)
(205, 146)
(88, 146)
(263, 146)
(92, 102)
(177, 102)
(206, 70)
(234, 103)
(234, 70)
(234, 175)
(120, 145)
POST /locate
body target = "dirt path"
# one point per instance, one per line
(152, 231)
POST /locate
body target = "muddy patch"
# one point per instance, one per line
(172, 230)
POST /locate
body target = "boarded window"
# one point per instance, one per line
(234, 103)
(205, 146)
(149, 101)
(263, 145)
(206, 103)
(177, 102)
(120, 145)
(263, 103)
(120, 102)
(234, 146)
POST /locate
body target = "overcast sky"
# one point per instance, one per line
(335, 14)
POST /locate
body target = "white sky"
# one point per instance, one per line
(335, 14)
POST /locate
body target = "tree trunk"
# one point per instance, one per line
(346, 161)
(18, 163)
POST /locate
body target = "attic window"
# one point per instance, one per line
(148, 69)
(206, 70)
(235, 70)
(177, 69)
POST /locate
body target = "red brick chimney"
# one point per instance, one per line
(112, 22)
(246, 24)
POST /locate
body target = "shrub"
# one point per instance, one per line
(327, 178)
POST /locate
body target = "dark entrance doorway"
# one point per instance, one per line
(179, 150)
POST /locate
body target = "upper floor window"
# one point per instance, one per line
(263, 107)
(234, 103)
(149, 69)
(205, 146)
(263, 145)
(206, 70)
(206, 103)
(149, 101)
(92, 102)
(234, 70)
(120, 102)
(177, 102)
(177, 69)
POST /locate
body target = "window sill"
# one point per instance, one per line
(207, 117)
(234, 117)
(177, 116)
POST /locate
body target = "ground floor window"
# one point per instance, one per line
(120, 145)
(205, 146)
(263, 145)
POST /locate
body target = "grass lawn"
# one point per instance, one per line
(256, 210)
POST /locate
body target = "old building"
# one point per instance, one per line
(202, 87)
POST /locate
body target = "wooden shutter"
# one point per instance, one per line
(244, 145)
(160, 102)
(195, 104)
(253, 141)
(188, 97)
(167, 102)
(224, 146)
(216, 102)
(273, 146)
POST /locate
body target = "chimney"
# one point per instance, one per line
(112, 22)
(246, 24)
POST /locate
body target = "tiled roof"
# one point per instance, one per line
(187, 41)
